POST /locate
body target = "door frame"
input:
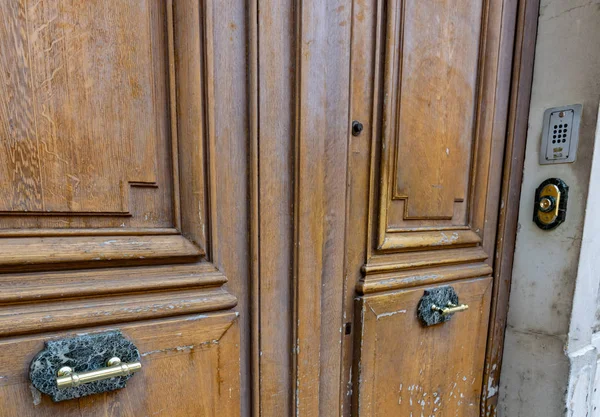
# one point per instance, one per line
(525, 32)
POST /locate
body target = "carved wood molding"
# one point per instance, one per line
(67, 314)
(523, 15)
(415, 260)
(432, 196)
(411, 238)
(173, 161)
(395, 271)
(47, 253)
(61, 285)
(425, 276)
(86, 131)
(153, 256)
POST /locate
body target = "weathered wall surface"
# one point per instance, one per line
(543, 348)
(583, 344)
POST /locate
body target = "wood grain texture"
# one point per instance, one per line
(275, 112)
(337, 128)
(125, 140)
(366, 38)
(190, 59)
(226, 69)
(384, 272)
(21, 165)
(94, 249)
(398, 248)
(254, 223)
(437, 123)
(414, 260)
(102, 98)
(442, 373)
(428, 239)
(87, 232)
(309, 198)
(428, 114)
(302, 92)
(425, 276)
(95, 111)
(122, 114)
(431, 121)
(69, 314)
(395, 46)
(85, 282)
(524, 15)
(190, 368)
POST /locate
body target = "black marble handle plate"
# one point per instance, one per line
(83, 353)
(440, 297)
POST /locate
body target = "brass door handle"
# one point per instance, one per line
(450, 308)
(68, 378)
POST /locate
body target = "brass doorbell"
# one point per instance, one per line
(550, 206)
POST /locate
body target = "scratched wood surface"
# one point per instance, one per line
(190, 367)
(123, 197)
(440, 152)
(301, 68)
(164, 158)
(431, 88)
(404, 368)
(434, 111)
(84, 110)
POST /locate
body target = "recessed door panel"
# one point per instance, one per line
(406, 368)
(431, 151)
(114, 197)
(93, 137)
(189, 367)
(85, 121)
(436, 75)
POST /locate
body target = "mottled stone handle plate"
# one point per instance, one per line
(84, 353)
(429, 311)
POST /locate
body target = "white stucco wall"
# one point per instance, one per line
(549, 342)
(583, 343)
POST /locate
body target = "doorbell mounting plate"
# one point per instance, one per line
(560, 134)
(550, 207)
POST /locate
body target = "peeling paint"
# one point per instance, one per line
(492, 389)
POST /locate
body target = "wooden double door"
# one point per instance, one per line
(257, 195)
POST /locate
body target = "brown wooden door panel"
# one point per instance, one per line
(431, 114)
(117, 207)
(190, 367)
(85, 124)
(405, 368)
(164, 158)
(94, 137)
(431, 158)
(431, 88)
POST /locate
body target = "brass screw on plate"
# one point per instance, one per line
(545, 203)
